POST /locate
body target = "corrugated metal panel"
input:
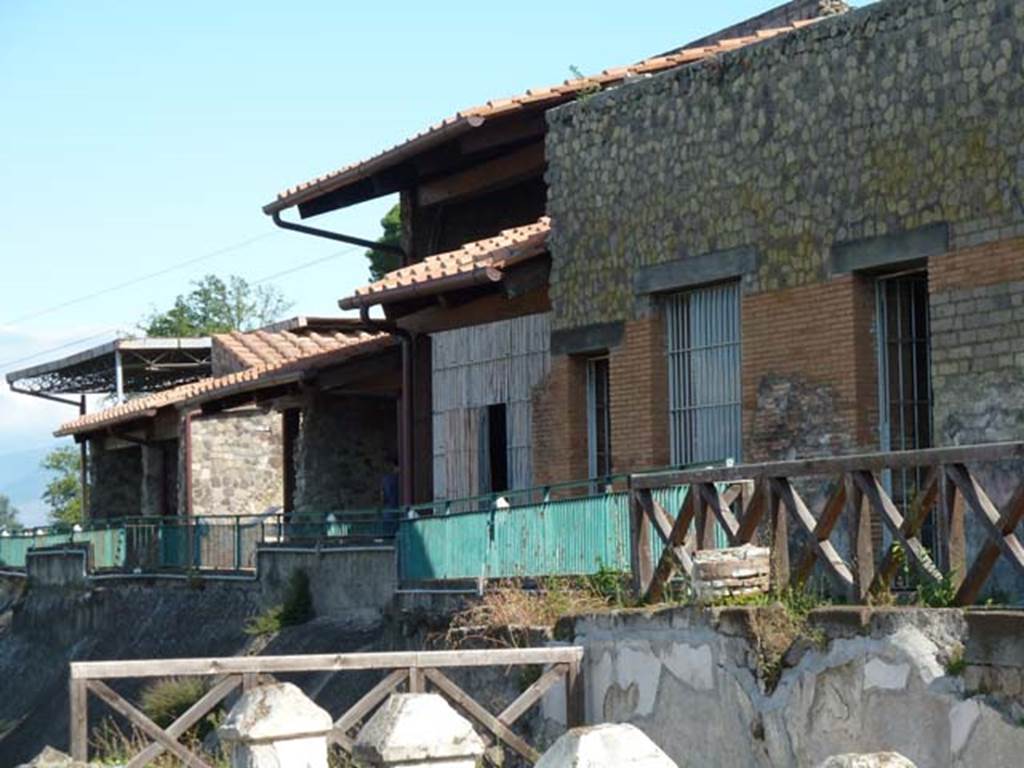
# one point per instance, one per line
(563, 537)
(108, 546)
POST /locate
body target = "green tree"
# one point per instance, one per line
(382, 262)
(64, 491)
(8, 515)
(218, 306)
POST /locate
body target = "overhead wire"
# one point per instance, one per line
(267, 278)
(141, 279)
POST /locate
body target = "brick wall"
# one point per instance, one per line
(809, 370)
(638, 389)
(560, 422)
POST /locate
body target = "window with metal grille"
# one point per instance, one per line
(904, 386)
(703, 342)
(599, 431)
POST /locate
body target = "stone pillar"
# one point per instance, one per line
(153, 502)
(605, 746)
(276, 725)
(417, 730)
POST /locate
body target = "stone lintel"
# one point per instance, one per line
(890, 250)
(694, 271)
(587, 338)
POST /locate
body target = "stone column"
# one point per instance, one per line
(417, 730)
(276, 725)
(153, 480)
(605, 746)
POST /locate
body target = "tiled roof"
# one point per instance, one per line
(534, 99)
(279, 347)
(295, 361)
(486, 258)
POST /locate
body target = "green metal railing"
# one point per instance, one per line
(211, 542)
(543, 531)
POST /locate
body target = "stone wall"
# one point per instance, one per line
(115, 481)
(862, 680)
(345, 448)
(237, 463)
(878, 123)
(780, 16)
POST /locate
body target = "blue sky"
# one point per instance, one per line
(137, 136)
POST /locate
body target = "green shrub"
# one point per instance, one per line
(297, 608)
(167, 699)
(298, 600)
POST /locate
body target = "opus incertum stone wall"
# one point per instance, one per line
(880, 121)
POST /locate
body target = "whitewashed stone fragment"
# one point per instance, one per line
(719, 573)
(418, 729)
(873, 760)
(276, 725)
(605, 746)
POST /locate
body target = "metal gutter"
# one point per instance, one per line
(483, 275)
(316, 232)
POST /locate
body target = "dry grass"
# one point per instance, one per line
(508, 610)
(113, 746)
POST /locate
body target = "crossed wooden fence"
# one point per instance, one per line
(413, 671)
(762, 499)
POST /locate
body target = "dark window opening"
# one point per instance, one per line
(496, 464)
(598, 418)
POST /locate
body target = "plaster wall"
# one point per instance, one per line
(870, 681)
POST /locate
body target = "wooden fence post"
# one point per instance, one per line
(951, 510)
(779, 538)
(639, 544)
(79, 720)
(861, 542)
(574, 703)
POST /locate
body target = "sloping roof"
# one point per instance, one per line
(535, 99)
(477, 262)
(272, 348)
(261, 374)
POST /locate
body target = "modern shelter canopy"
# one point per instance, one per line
(118, 367)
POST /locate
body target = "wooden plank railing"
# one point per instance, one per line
(416, 671)
(747, 498)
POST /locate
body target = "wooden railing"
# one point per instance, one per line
(413, 671)
(747, 499)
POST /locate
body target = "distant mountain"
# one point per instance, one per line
(22, 480)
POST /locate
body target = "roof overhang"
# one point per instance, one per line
(146, 365)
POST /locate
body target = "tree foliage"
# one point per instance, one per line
(218, 306)
(63, 493)
(8, 515)
(382, 262)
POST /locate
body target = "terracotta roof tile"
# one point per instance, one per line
(485, 257)
(544, 98)
(271, 354)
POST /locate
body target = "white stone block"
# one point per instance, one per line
(276, 725)
(605, 746)
(873, 760)
(418, 729)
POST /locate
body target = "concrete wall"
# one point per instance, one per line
(863, 681)
(237, 463)
(344, 582)
(345, 448)
(60, 567)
